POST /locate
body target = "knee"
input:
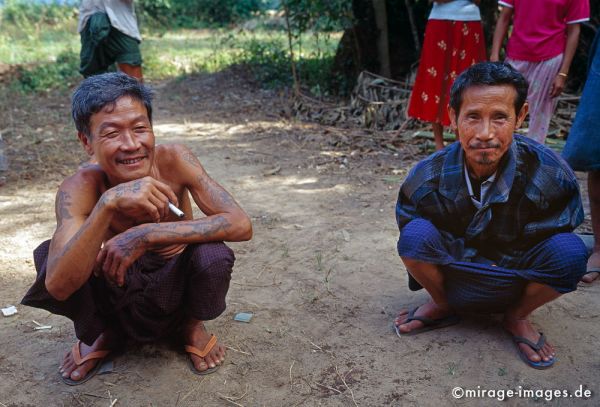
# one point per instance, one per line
(567, 249)
(415, 235)
(214, 258)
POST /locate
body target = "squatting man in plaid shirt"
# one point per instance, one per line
(485, 224)
(120, 264)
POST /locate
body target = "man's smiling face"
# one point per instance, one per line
(122, 140)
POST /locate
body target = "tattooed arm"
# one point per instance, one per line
(225, 220)
(84, 215)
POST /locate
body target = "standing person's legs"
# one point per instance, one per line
(125, 51)
(540, 76)
(132, 70)
(438, 135)
(593, 265)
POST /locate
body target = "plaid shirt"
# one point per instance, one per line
(534, 196)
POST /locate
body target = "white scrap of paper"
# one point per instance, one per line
(8, 311)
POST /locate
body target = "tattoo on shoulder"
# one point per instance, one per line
(63, 203)
(191, 159)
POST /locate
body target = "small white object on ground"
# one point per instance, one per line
(39, 326)
(8, 311)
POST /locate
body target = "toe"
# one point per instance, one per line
(590, 277)
(67, 368)
(406, 328)
(547, 351)
(222, 353)
(210, 361)
(199, 363)
(530, 353)
(80, 372)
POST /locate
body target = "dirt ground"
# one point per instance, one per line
(321, 274)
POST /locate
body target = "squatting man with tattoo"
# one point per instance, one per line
(120, 265)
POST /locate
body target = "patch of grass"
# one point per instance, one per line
(48, 54)
(45, 76)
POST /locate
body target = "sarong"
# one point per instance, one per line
(480, 286)
(158, 295)
(540, 76)
(449, 48)
(582, 150)
(102, 45)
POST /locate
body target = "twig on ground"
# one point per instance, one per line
(95, 395)
(230, 399)
(2, 404)
(237, 350)
(291, 366)
(113, 402)
(316, 346)
(328, 388)
(77, 399)
(191, 391)
(255, 285)
(346, 384)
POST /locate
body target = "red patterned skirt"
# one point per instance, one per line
(449, 48)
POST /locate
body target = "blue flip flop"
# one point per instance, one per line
(535, 346)
(428, 323)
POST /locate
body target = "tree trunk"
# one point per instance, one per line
(383, 49)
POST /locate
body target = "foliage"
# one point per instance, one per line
(26, 13)
(45, 51)
(318, 15)
(61, 72)
(192, 13)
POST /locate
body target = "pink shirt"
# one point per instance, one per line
(540, 26)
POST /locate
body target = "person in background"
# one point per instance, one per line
(582, 150)
(541, 46)
(109, 33)
(453, 42)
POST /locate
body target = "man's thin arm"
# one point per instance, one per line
(221, 227)
(232, 223)
(573, 31)
(500, 32)
(75, 244)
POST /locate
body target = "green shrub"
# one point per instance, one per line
(195, 13)
(25, 13)
(268, 61)
(49, 75)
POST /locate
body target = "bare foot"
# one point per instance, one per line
(523, 328)
(429, 310)
(195, 334)
(68, 367)
(592, 264)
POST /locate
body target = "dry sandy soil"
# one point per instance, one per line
(321, 274)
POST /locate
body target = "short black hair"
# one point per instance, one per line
(98, 91)
(489, 74)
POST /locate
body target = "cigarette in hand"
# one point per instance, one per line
(176, 210)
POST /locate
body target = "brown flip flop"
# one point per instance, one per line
(76, 352)
(202, 353)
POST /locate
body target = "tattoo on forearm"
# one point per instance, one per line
(206, 228)
(139, 238)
